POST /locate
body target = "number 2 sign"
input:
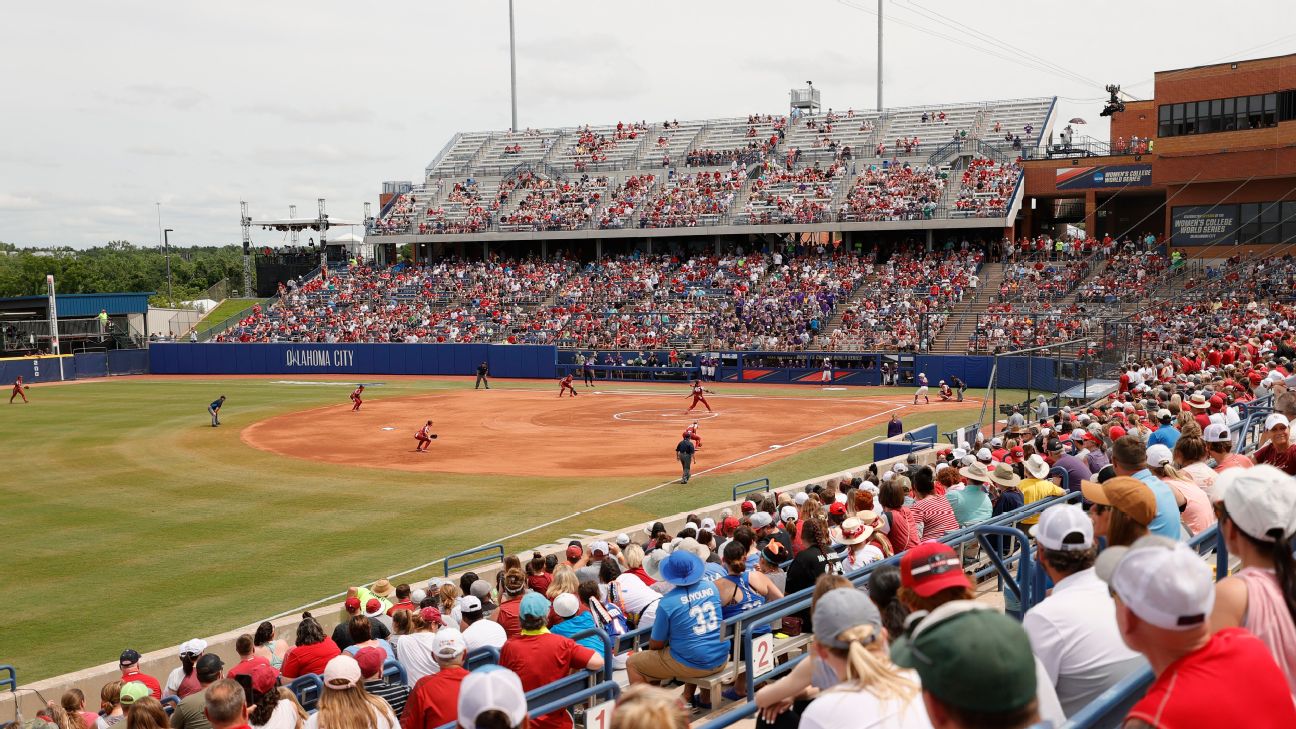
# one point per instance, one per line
(762, 654)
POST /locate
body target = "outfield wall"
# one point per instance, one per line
(75, 366)
(547, 362)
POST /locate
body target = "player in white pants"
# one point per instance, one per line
(922, 389)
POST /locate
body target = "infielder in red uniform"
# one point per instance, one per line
(424, 436)
(356, 397)
(692, 434)
(566, 384)
(697, 397)
(18, 388)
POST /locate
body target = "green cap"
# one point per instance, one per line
(971, 657)
(132, 692)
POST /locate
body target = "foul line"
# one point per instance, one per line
(863, 442)
(605, 504)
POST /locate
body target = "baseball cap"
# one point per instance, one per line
(130, 656)
(840, 610)
(534, 605)
(132, 691)
(470, 604)
(342, 672)
(788, 513)
(373, 608)
(481, 589)
(208, 667)
(418, 595)
(1064, 528)
(708, 524)
(1261, 501)
(370, 660)
(574, 552)
(931, 567)
(623, 540)
(837, 509)
(971, 657)
(748, 507)
(193, 646)
(761, 519)
(448, 643)
(1162, 581)
(566, 605)
(1276, 419)
(1116, 432)
(1159, 455)
(599, 547)
(491, 688)
(1128, 494)
(352, 604)
(432, 616)
(800, 498)
(264, 678)
(984, 455)
(1164, 415)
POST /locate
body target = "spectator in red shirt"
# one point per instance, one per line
(248, 659)
(514, 585)
(129, 664)
(403, 601)
(312, 652)
(1164, 594)
(539, 657)
(538, 576)
(434, 700)
(1278, 450)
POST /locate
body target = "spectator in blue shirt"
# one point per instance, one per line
(1129, 458)
(1166, 434)
(576, 618)
(686, 637)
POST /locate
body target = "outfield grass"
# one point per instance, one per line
(131, 522)
(224, 310)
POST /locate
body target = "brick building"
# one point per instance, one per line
(1208, 163)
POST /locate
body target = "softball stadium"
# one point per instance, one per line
(574, 379)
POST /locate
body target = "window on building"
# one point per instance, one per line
(1257, 111)
(1289, 221)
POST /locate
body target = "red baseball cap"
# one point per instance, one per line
(729, 525)
(352, 604)
(264, 678)
(748, 507)
(1116, 432)
(931, 567)
(370, 660)
(837, 509)
(574, 552)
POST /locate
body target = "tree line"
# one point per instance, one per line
(119, 266)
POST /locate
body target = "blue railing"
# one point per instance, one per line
(492, 553)
(750, 487)
(484, 656)
(307, 688)
(9, 677)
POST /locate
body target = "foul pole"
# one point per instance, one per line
(53, 323)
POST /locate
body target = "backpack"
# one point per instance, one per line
(609, 616)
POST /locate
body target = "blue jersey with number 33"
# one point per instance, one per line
(688, 620)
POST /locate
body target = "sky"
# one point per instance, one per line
(112, 108)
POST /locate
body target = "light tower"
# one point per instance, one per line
(247, 249)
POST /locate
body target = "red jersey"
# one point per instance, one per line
(697, 391)
(355, 394)
(424, 432)
(690, 431)
(567, 380)
(539, 660)
(1233, 676)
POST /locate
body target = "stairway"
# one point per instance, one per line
(963, 317)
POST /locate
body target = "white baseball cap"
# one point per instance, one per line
(193, 646)
(839, 497)
(566, 605)
(959, 453)
(448, 643)
(1276, 419)
(342, 672)
(1260, 500)
(491, 688)
(708, 524)
(623, 540)
(800, 498)
(996, 441)
(1164, 582)
(470, 604)
(1217, 433)
(984, 455)
(761, 519)
(900, 468)
(599, 546)
(1158, 455)
(788, 513)
(418, 596)
(1064, 528)
(870, 487)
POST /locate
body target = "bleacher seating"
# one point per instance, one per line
(674, 152)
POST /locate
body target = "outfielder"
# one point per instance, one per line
(356, 397)
(922, 389)
(18, 388)
(698, 398)
(214, 410)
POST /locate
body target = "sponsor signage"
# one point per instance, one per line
(1106, 176)
(1204, 225)
(331, 358)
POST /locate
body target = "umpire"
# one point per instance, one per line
(482, 371)
(684, 452)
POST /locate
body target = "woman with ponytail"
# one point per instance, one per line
(742, 589)
(850, 641)
(73, 702)
(1257, 515)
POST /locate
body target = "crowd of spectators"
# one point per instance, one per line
(687, 201)
(548, 204)
(1041, 280)
(1007, 327)
(986, 188)
(624, 199)
(894, 192)
(782, 195)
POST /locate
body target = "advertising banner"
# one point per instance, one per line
(1106, 176)
(1203, 225)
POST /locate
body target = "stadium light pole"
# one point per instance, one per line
(513, 69)
(166, 238)
(879, 68)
